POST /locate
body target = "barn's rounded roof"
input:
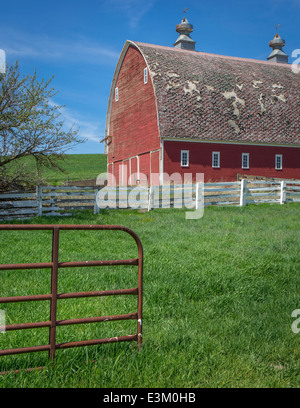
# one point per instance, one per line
(217, 98)
(212, 97)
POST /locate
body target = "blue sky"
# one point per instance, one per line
(80, 41)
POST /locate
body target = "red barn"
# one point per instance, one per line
(175, 110)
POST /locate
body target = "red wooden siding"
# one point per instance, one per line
(144, 173)
(261, 160)
(117, 171)
(125, 173)
(134, 171)
(155, 179)
(110, 171)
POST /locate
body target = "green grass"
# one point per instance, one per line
(218, 298)
(75, 166)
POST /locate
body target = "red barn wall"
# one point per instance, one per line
(133, 123)
(117, 172)
(134, 171)
(155, 176)
(261, 160)
(144, 169)
(125, 172)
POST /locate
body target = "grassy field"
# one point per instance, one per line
(218, 298)
(75, 166)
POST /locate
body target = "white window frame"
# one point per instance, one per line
(245, 155)
(145, 75)
(278, 156)
(183, 152)
(213, 160)
(116, 94)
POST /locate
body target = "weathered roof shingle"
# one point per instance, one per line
(212, 97)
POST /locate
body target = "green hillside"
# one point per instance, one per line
(75, 166)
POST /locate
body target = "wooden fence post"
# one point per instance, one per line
(283, 192)
(39, 200)
(199, 195)
(151, 198)
(243, 198)
(96, 208)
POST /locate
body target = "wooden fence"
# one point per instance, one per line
(238, 193)
(65, 200)
(48, 200)
(18, 205)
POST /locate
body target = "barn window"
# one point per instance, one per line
(116, 94)
(184, 158)
(216, 160)
(278, 161)
(145, 76)
(245, 161)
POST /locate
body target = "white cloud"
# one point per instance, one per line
(88, 129)
(18, 44)
(134, 10)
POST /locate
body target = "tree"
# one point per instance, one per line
(31, 125)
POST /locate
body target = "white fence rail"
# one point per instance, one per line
(60, 201)
(64, 200)
(238, 193)
(18, 205)
(48, 200)
(291, 191)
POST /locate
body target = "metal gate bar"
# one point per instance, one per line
(53, 323)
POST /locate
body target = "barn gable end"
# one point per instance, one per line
(132, 128)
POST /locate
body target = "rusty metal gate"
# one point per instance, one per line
(53, 323)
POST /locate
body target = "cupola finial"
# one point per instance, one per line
(184, 29)
(277, 55)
